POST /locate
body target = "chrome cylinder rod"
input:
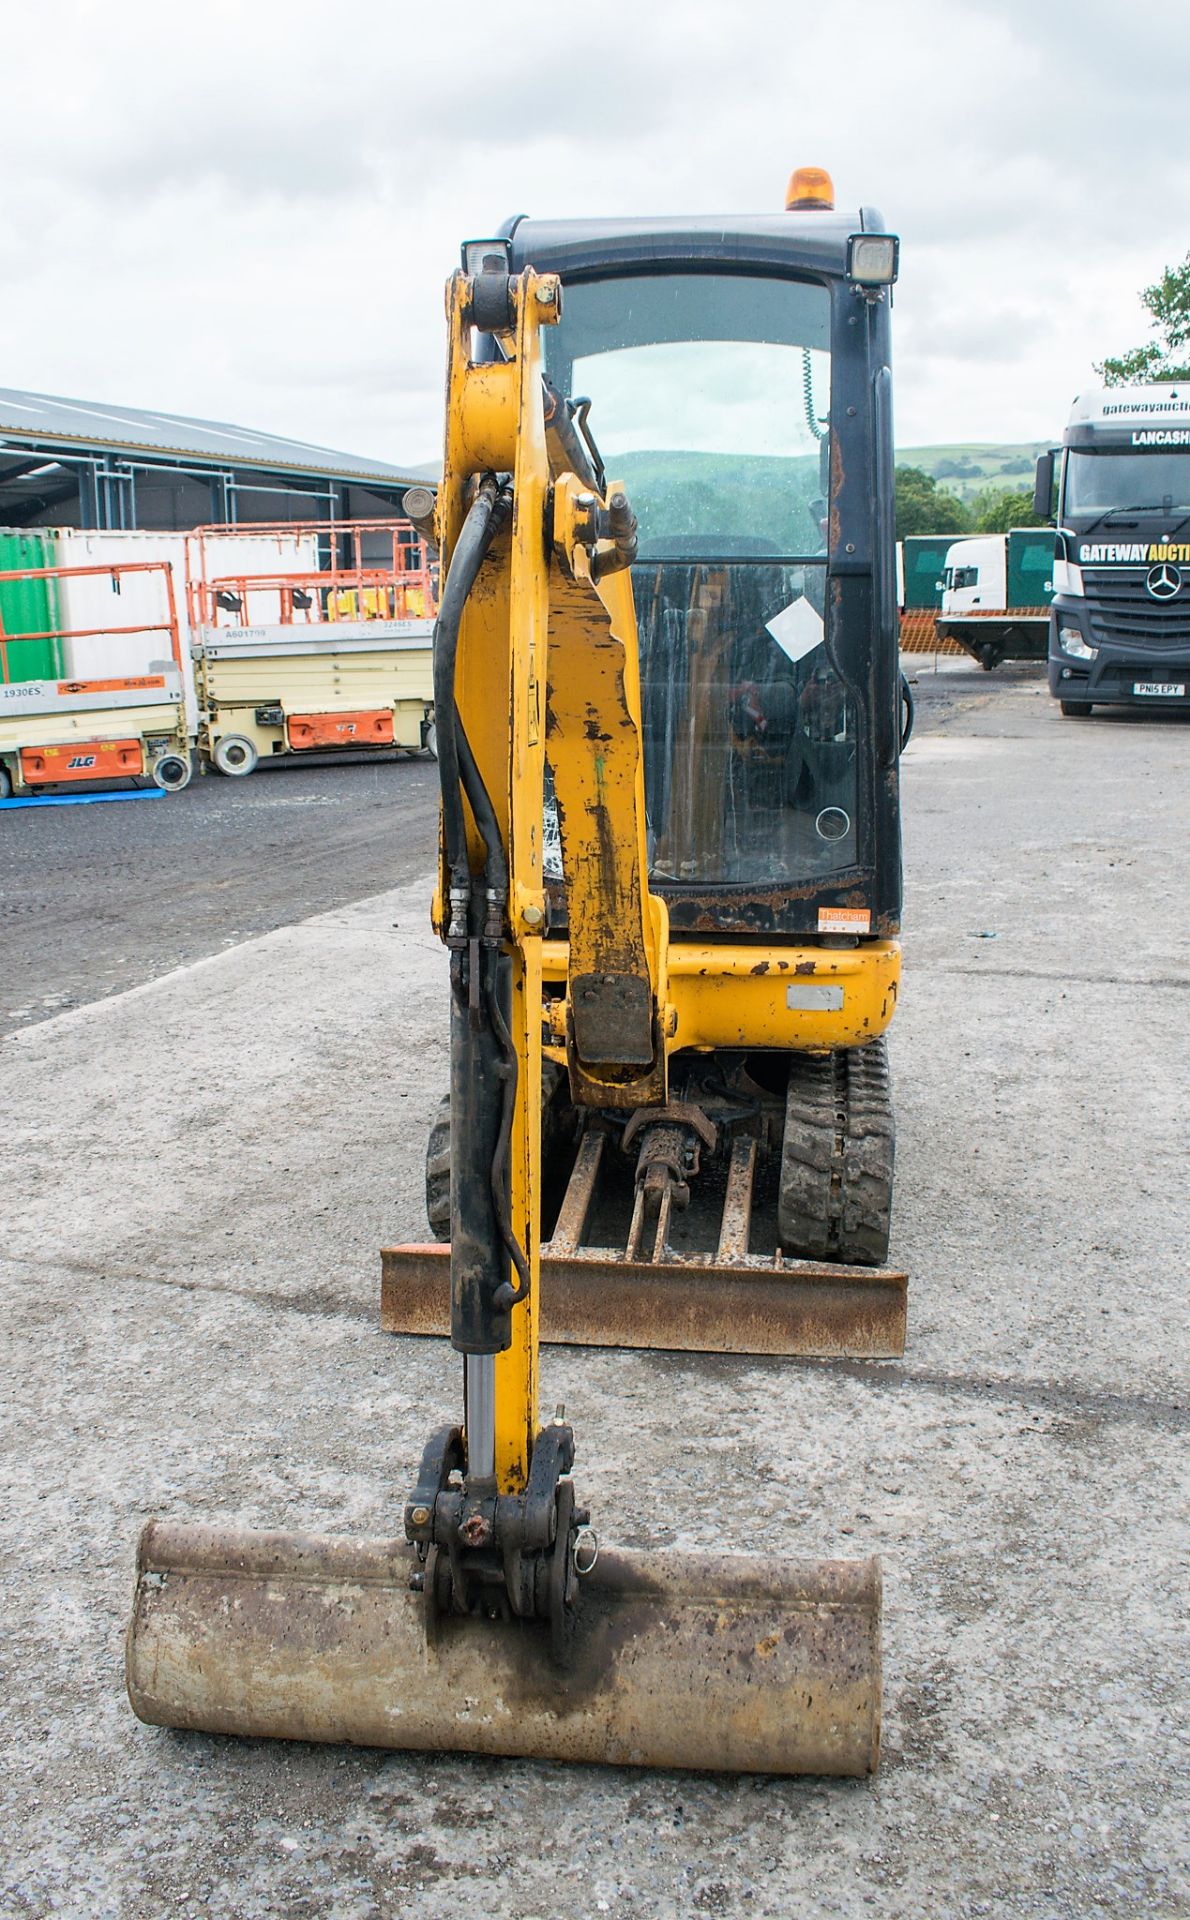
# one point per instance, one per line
(479, 1414)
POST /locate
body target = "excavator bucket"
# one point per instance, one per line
(734, 1662)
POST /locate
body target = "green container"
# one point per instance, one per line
(1031, 567)
(28, 606)
(923, 558)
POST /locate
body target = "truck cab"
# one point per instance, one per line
(1120, 623)
(973, 578)
(996, 589)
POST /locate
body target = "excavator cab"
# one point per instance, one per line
(667, 712)
(707, 392)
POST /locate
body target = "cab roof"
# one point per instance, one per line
(815, 241)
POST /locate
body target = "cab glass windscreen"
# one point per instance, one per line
(710, 402)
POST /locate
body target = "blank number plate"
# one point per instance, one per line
(1161, 689)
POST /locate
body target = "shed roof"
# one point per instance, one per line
(43, 420)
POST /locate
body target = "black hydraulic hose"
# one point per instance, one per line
(459, 772)
(496, 863)
(568, 438)
(465, 562)
(908, 712)
(506, 1295)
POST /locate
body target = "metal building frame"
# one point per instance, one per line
(66, 451)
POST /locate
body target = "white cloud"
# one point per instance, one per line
(247, 210)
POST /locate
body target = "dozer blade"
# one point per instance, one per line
(594, 1297)
(731, 1662)
(728, 1301)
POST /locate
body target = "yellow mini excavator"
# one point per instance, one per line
(669, 722)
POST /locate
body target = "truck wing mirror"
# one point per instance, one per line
(1043, 486)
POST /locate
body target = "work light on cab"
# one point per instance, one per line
(872, 259)
(486, 256)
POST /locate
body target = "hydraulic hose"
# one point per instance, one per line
(908, 712)
(568, 441)
(459, 773)
(465, 562)
(496, 862)
(506, 1296)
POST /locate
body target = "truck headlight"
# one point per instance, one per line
(1071, 641)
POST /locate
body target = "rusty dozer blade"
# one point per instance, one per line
(728, 1301)
(734, 1662)
(682, 1305)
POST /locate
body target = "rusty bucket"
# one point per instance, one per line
(738, 1663)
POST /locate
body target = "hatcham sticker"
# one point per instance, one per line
(844, 920)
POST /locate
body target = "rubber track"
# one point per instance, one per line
(835, 1197)
(438, 1152)
(438, 1173)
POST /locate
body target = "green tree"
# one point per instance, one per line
(1166, 358)
(925, 507)
(997, 510)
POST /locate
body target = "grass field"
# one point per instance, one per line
(966, 469)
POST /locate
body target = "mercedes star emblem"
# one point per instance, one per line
(1164, 582)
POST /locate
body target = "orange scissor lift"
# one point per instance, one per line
(327, 649)
(99, 721)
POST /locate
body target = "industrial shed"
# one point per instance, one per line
(78, 463)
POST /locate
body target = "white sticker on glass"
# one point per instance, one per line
(797, 629)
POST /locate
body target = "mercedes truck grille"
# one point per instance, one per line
(1123, 613)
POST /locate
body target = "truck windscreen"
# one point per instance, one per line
(1101, 482)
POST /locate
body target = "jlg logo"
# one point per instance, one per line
(81, 760)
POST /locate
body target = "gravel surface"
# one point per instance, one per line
(95, 899)
(201, 1170)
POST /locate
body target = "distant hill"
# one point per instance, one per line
(964, 470)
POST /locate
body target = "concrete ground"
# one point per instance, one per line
(200, 1171)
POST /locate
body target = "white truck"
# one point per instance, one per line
(996, 591)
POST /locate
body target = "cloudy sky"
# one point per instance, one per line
(246, 209)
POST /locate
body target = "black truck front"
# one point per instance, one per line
(1120, 620)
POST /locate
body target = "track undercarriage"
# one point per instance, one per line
(750, 1214)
